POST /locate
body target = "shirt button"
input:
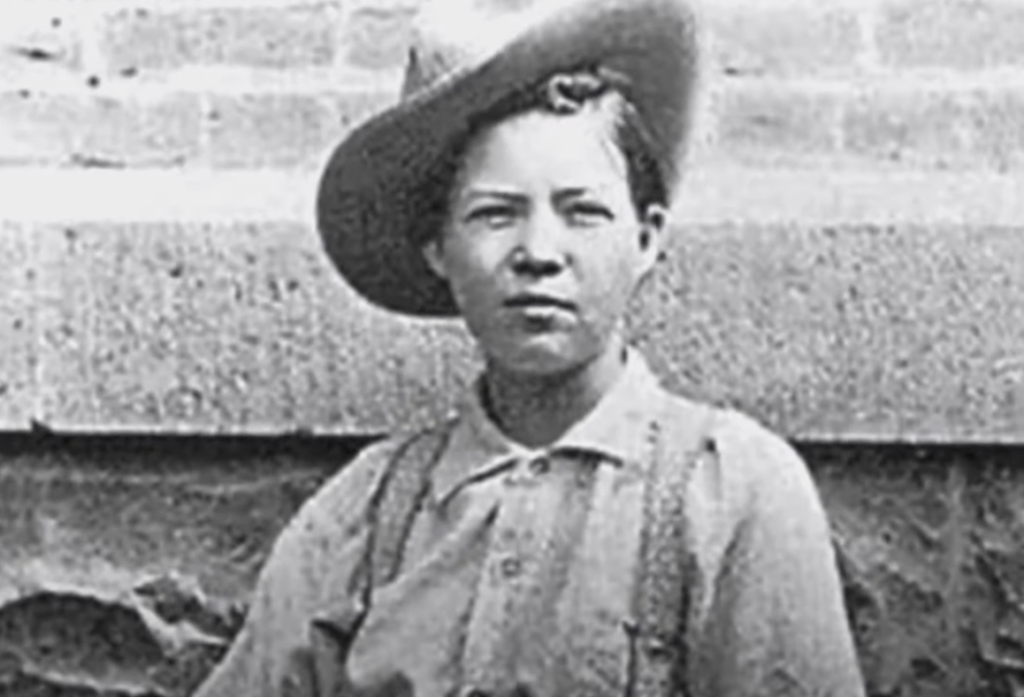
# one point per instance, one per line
(541, 465)
(511, 567)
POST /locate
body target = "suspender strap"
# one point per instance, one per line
(658, 648)
(662, 603)
(399, 498)
(400, 493)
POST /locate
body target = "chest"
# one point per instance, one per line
(523, 579)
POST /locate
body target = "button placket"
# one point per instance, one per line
(526, 513)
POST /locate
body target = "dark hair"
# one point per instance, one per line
(562, 93)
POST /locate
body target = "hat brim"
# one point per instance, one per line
(371, 198)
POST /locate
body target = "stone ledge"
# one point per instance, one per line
(856, 333)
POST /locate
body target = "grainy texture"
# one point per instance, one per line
(924, 128)
(40, 44)
(134, 573)
(884, 140)
(142, 39)
(92, 131)
(785, 39)
(237, 328)
(926, 542)
(884, 333)
(902, 91)
(766, 126)
(269, 130)
(244, 328)
(17, 327)
(127, 562)
(375, 36)
(962, 34)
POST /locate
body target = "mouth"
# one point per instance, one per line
(538, 301)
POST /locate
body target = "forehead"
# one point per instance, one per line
(539, 147)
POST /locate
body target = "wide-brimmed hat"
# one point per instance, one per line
(466, 56)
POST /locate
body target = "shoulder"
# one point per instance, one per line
(745, 463)
(749, 446)
(741, 438)
(339, 506)
(311, 570)
(770, 477)
(323, 542)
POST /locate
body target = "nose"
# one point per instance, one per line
(539, 250)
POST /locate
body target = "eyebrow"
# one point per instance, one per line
(560, 195)
(572, 192)
(474, 194)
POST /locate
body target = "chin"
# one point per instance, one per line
(540, 360)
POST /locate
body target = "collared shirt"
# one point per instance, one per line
(519, 569)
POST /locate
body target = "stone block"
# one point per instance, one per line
(288, 131)
(874, 332)
(38, 44)
(783, 40)
(885, 333)
(142, 133)
(98, 131)
(258, 131)
(37, 129)
(915, 128)
(279, 37)
(998, 128)
(17, 328)
(769, 126)
(224, 329)
(376, 36)
(958, 34)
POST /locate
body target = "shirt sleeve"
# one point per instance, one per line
(774, 621)
(307, 573)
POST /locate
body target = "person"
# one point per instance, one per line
(523, 183)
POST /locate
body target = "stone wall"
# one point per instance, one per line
(180, 367)
(128, 560)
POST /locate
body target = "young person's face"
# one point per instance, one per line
(543, 246)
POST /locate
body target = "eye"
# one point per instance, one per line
(491, 215)
(583, 212)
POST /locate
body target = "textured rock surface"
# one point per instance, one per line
(888, 333)
(128, 561)
(930, 541)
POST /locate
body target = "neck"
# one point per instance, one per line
(536, 410)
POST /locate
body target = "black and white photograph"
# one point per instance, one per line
(512, 348)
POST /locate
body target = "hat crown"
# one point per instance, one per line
(454, 35)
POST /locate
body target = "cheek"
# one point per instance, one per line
(468, 273)
(472, 276)
(616, 273)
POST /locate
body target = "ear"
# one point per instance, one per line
(651, 235)
(435, 259)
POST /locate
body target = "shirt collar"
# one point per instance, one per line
(615, 429)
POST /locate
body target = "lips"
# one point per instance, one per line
(539, 300)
